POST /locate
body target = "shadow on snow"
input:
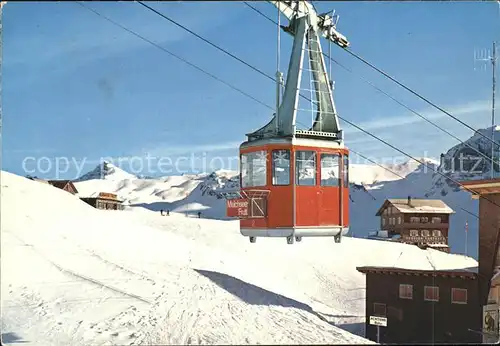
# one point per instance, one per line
(255, 295)
(11, 338)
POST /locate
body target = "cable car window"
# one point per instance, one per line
(305, 166)
(330, 169)
(253, 169)
(345, 176)
(281, 167)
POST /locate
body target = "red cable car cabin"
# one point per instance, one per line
(292, 189)
(294, 183)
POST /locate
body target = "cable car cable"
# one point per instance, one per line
(173, 54)
(347, 121)
(421, 97)
(413, 111)
(497, 161)
(329, 57)
(395, 81)
(399, 175)
(204, 39)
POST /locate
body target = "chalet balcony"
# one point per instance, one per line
(424, 240)
(427, 225)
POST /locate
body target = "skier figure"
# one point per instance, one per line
(168, 212)
(199, 214)
(161, 212)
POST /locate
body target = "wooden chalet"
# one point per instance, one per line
(422, 306)
(422, 222)
(66, 185)
(104, 200)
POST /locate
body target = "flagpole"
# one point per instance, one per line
(466, 229)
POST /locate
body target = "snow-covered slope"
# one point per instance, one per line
(74, 275)
(193, 193)
(371, 185)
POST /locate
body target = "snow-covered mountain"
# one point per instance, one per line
(75, 275)
(107, 171)
(371, 185)
(463, 162)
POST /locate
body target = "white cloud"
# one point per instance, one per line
(433, 115)
(171, 150)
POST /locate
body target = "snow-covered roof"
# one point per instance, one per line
(417, 206)
(495, 277)
(481, 187)
(437, 245)
(465, 273)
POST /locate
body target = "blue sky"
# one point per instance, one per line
(76, 88)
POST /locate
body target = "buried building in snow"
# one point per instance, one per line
(66, 185)
(104, 200)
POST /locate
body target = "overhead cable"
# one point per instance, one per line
(174, 55)
(395, 81)
(347, 121)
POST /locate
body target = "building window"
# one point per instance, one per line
(425, 233)
(436, 219)
(395, 313)
(459, 296)
(379, 309)
(431, 293)
(436, 233)
(253, 169)
(345, 176)
(414, 219)
(330, 169)
(281, 167)
(399, 220)
(405, 291)
(424, 219)
(383, 221)
(305, 167)
(413, 233)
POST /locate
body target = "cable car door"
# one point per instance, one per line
(330, 184)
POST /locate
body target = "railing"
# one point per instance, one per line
(426, 225)
(424, 240)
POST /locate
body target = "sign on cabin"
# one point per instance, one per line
(237, 207)
(107, 195)
(378, 321)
